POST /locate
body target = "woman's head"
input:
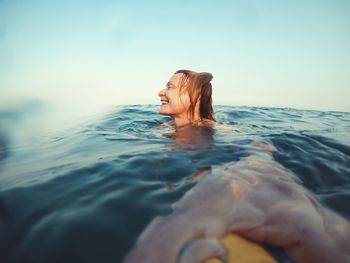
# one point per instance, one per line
(188, 94)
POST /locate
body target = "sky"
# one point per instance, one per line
(95, 53)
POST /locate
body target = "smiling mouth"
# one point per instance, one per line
(164, 102)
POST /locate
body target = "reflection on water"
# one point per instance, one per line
(84, 193)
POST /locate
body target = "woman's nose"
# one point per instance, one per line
(161, 93)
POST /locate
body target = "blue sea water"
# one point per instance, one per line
(83, 193)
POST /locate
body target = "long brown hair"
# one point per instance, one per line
(198, 86)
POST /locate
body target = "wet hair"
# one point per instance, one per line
(198, 87)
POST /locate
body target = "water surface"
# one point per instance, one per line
(83, 193)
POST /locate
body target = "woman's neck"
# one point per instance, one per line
(181, 120)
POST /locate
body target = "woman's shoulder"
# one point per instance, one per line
(208, 122)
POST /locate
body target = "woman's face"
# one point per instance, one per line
(174, 102)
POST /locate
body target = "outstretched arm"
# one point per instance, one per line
(256, 199)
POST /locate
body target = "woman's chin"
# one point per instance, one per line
(163, 110)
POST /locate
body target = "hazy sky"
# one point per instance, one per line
(103, 52)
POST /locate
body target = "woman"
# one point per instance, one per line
(187, 99)
(256, 198)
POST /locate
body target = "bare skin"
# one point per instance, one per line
(176, 102)
(257, 199)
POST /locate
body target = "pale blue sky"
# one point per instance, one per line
(99, 53)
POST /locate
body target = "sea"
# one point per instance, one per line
(84, 192)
